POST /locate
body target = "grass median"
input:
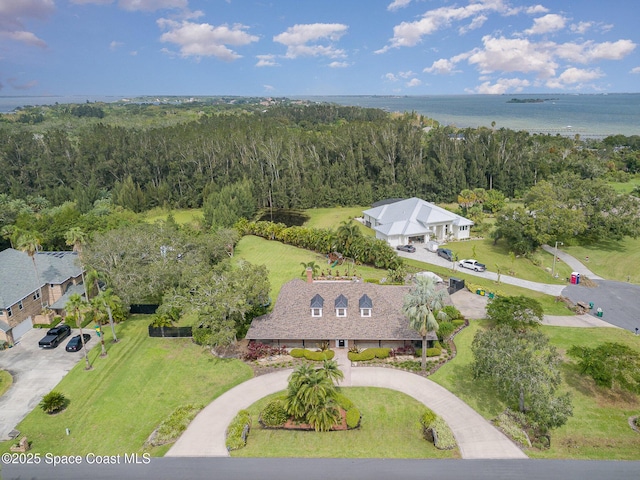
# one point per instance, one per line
(390, 429)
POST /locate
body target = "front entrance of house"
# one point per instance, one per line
(342, 343)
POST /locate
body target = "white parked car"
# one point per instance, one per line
(473, 265)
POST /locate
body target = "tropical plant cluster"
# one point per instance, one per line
(511, 423)
(171, 428)
(238, 430)
(53, 402)
(361, 248)
(435, 429)
(257, 350)
(313, 355)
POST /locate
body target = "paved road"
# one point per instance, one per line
(476, 437)
(35, 373)
(573, 262)
(333, 468)
(424, 255)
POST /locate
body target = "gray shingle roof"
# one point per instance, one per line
(18, 279)
(291, 317)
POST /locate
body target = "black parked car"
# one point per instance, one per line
(446, 254)
(406, 248)
(54, 336)
(75, 344)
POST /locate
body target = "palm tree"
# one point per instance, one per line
(75, 237)
(419, 305)
(315, 268)
(109, 300)
(29, 243)
(347, 232)
(98, 310)
(76, 306)
(331, 370)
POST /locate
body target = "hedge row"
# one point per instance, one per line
(312, 355)
(431, 352)
(369, 354)
(238, 430)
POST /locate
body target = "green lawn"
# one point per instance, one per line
(626, 187)
(284, 261)
(598, 428)
(615, 260)
(181, 216)
(390, 429)
(333, 217)
(5, 381)
(115, 407)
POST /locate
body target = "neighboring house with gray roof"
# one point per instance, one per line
(20, 287)
(342, 313)
(413, 221)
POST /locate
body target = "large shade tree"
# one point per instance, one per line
(421, 304)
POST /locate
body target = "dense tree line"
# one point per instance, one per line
(289, 157)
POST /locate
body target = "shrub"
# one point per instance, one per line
(344, 402)
(428, 417)
(363, 356)
(319, 356)
(408, 350)
(445, 330)
(511, 424)
(444, 439)
(256, 350)
(274, 414)
(170, 429)
(457, 323)
(353, 418)
(238, 430)
(452, 312)
(297, 352)
(53, 402)
(431, 352)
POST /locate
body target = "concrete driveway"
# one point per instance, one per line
(35, 373)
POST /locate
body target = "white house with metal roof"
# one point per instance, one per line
(25, 290)
(415, 221)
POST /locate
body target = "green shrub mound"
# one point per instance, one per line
(53, 402)
(445, 330)
(353, 418)
(369, 354)
(511, 424)
(171, 429)
(274, 414)
(431, 352)
(452, 312)
(344, 401)
(238, 431)
(457, 323)
(428, 417)
(312, 355)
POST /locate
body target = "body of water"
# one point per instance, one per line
(586, 115)
(570, 115)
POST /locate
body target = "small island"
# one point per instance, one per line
(530, 100)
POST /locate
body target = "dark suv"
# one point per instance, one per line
(446, 254)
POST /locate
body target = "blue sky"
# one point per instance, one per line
(318, 47)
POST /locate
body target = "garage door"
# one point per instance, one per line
(21, 329)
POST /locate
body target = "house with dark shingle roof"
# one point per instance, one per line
(59, 274)
(339, 312)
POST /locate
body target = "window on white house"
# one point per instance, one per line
(20, 305)
(9, 312)
(36, 295)
(316, 312)
(341, 312)
(365, 312)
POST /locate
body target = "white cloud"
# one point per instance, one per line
(514, 55)
(635, 70)
(535, 9)
(409, 34)
(477, 22)
(114, 45)
(414, 82)
(502, 85)
(551, 22)
(397, 4)
(300, 40)
(590, 51)
(573, 76)
(339, 64)
(269, 88)
(267, 61)
(205, 40)
(14, 12)
(391, 77)
(152, 5)
(581, 27)
(441, 67)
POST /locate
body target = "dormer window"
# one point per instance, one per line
(341, 306)
(317, 302)
(366, 305)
